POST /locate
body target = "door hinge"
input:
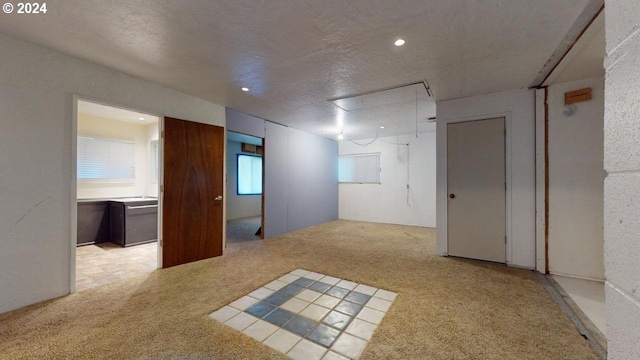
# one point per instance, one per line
(160, 242)
(161, 188)
(505, 239)
(162, 134)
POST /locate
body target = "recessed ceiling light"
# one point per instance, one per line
(245, 89)
(340, 136)
(399, 42)
(381, 127)
(141, 118)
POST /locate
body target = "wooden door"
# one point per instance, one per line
(476, 220)
(192, 211)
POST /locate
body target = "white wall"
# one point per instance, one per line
(301, 174)
(37, 134)
(518, 107)
(576, 182)
(239, 206)
(622, 185)
(388, 202)
(301, 180)
(312, 172)
(113, 129)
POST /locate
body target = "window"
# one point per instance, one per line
(359, 168)
(105, 159)
(249, 175)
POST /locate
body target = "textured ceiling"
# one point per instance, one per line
(294, 55)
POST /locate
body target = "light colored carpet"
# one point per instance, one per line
(446, 308)
(241, 230)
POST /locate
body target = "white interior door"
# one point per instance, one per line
(476, 219)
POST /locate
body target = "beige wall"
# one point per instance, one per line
(37, 132)
(113, 129)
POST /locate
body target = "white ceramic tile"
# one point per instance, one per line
(308, 295)
(365, 289)
(334, 356)
(327, 301)
(282, 340)
(314, 312)
(371, 315)
(347, 284)
(276, 285)
(224, 314)
(306, 350)
(379, 304)
(243, 303)
(361, 329)
(241, 321)
(260, 330)
(261, 293)
(330, 280)
(386, 295)
(299, 272)
(288, 278)
(349, 346)
(295, 305)
(314, 276)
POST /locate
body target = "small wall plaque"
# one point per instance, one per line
(577, 96)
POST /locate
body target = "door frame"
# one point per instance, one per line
(73, 200)
(226, 177)
(442, 176)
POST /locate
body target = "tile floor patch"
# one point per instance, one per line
(307, 315)
(260, 330)
(295, 305)
(379, 304)
(364, 289)
(306, 350)
(334, 356)
(327, 301)
(243, 303)
(261, 293)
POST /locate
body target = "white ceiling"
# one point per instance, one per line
(115, 113)
(294, 55)
(586, 58)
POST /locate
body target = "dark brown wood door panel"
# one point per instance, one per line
(192, 211)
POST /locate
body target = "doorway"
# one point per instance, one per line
(245, 172)
(476, 190)
(117, 181)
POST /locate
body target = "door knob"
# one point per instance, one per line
(452, 196)
(218, 198)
